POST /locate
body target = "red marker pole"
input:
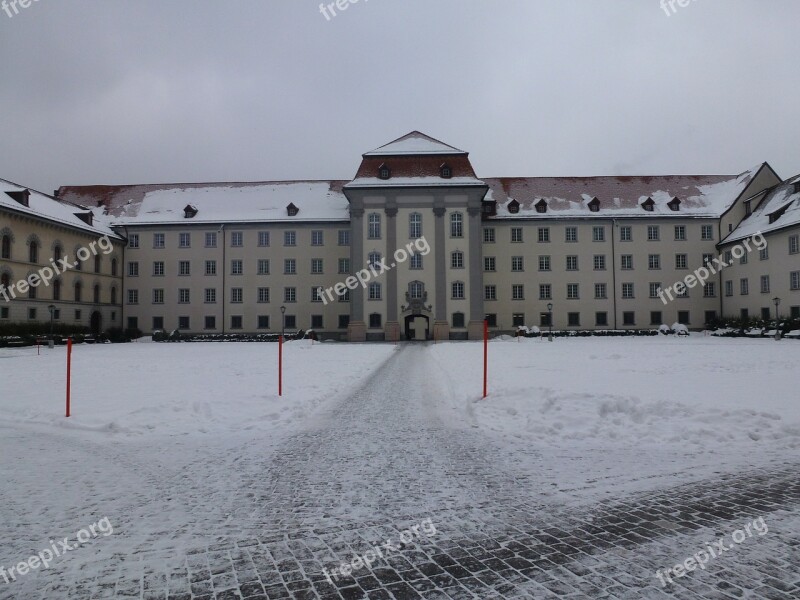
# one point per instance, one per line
(280, 366)
(69, 372)
(485, 357)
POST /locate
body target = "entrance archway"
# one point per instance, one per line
(417, 328)
(96, 322)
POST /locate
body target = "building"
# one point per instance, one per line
(437, 248)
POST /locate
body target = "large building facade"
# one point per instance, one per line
(416, 246)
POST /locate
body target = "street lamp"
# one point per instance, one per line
(777, 302)
(283, 320)
(550, 320)
(52, 309)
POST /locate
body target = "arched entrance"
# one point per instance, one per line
(96, 322)
(417, 328)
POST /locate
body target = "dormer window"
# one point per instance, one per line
(594, 205)
(22, 197)
(292, 210)
(189, 211)
(86, 217)
(748, 208)
(445, 171)
(384, 172)
(541, 206)
(779, 213)
(797, 187)
(674, 204)
(648, 205)
(513, 207)
(489, 208)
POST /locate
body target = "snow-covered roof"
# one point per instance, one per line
(414, 143)
(422, 181)
(48, 208)
(230, 202)
(699, 195)
(782, 201)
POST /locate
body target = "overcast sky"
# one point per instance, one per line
(146, 91)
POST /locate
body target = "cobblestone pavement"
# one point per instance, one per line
(383, 461)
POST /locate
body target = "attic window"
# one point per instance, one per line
(513, 207)
(648, 205)
(489, 208)
(292, 210)
(674, 204)
(541, 206)
(445, 171)
(594, 205)
(189, 211)
(384, 172)
(797, 187)
(779, 213)
(748, 208)
(86, 217)
(21, 197)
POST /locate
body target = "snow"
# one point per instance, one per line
(777, 199)
(414, 143)
(424, 181)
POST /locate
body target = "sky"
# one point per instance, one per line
(146, 91)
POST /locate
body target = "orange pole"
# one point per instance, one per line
(69, 372)
(280, 366)
(485, 357)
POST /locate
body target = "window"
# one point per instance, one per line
(627, 290)
(263, 295)
(517, 263)
(655, 289)
(317, 238)
(489, 263)
(316, 322)
(158, 240)
(707, 233)
(544, 263)
(599, 262)
(289, 266)
(345, 297)
(683, 291)
(158, 268)
(710, 290)
(263, 266)
(211, 296)
(794, 312)
(237, 239)
(680, 233)
(654, 262)
(683, 317)
(184, 268)
(316, 266)
(600, 291)
(571, 234)
(316, 294)
(598, 234)
(78, 289)
(765, 284)
(57, 289)
(374, 259)
(655, 317)
(572, 263)
(794, 280)
(416, 290)
(488, 235)
(707, 259)
(729, 287)
(743, 259)
(374, 226)
(763, 254)
(184, 296)
(374, 291)
(32, 314)
(183, 323)
(626, 233)
(626, 262)
(681, 261)
(289, 238)
(744, 314)
(574, 319)
(744, 287)
(516, 235)
(344, 321)
(289, 294)
(491, 320)
(133, 241)
(344, 266)
(133, 295)
(415, 225)
(211, 267)
(290, 321)
(629, 318)
(184, 240)
(237, 295)
(210, 322)
(98, 262)
(490, 292)
(415, 262)
(653, 234)
(794, 244)
(31, 291)
(375, 321)
(113, 267)
(545, 291)
(518, 319)
(384, 172)
(572, 291)
(765, 313)
(211, 239)
(543, 234)
(344, 237)
(263, 321)
(458, 290)
(457, 225)
(518, 292)
(4, 312)
(263, 238)
(237, 267)
(601, 319)
(133, 269)
(158, 296)
(711, 316)
(457, 260)
(458, 320)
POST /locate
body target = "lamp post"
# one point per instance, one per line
(52, 309)
(283, 321)
(777, 302)
(550, 320)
